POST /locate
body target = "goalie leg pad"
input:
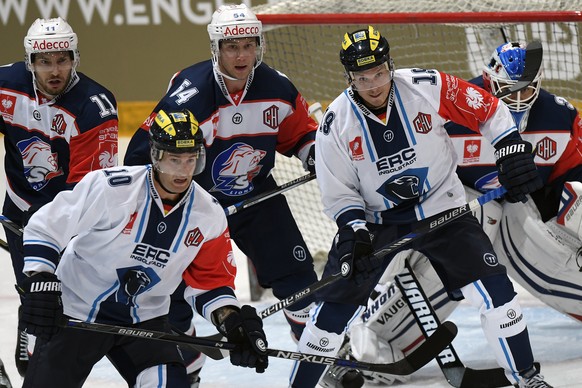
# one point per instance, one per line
(503, 324)
(166, 375)
(542, 257)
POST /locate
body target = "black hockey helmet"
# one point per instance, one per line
(364, 49)
(177, 132)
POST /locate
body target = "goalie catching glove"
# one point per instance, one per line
(245, 328)
(354, 249)
(41, 312)
(517, 170)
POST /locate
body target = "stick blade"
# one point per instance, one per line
(426, 352)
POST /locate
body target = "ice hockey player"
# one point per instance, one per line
(538, 241)
(248, 113)
(58, 124)
(130, 235)
(384, 162)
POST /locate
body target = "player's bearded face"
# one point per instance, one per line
(237, 57)
(176, 170)
(52, 72)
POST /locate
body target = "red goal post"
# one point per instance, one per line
(303, 39)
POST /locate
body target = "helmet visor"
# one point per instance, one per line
(372, 78)
(182, 164)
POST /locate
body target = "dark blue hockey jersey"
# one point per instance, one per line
(51, 145)
(242, 132)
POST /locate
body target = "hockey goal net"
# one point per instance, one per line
(455, 36)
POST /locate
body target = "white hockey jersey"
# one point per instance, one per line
(125, 254)
(401, 169)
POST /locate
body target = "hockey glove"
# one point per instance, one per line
(354, 249)
(245, 328)
(41, 312)
(517, 170)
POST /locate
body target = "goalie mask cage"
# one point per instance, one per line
(303, 39)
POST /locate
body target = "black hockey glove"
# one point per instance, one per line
(517, 170)
(41, 312)
(354, 249)
(310, 160)
(245, 328)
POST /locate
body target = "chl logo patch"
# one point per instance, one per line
(59, 124)
(271, 117)
(546, 148)
(422, 123)
(194, 237)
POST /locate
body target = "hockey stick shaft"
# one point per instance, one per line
(232, 209)
(426, 226)
(420, 357)
(11, 225)
(448, 360)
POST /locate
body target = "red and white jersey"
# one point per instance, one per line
(51, 144)
(124, 253)
(402, 168)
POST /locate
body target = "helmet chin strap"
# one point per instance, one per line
(218, 71)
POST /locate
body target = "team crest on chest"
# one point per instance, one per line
(235, 168)
(40, 163)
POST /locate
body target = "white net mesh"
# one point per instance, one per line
(303, 40)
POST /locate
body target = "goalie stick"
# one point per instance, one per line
(456, 373)
(439, 339)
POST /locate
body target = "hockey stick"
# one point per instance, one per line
(424, 227)
(434, 344)
(533, 61)
(456, 373)
(13, 227)
(230, 210)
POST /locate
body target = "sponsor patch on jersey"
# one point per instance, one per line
(471, 150)
(127, 229)
(546, 148)
(7, 105)
(356, 148)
